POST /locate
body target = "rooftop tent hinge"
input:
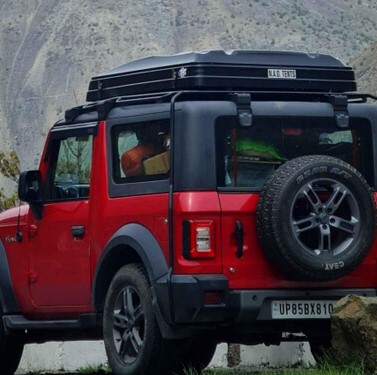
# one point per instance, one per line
(243, 103)
(71, 114)
(99, 90)
(340, 104)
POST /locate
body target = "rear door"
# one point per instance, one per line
(139, 164)
(246, 157)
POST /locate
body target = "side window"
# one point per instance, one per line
(70, 170)
(141, 152)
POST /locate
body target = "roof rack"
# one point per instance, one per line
(228, 71)
(104, 106)
(359, 97)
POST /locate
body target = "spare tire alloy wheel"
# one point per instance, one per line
(133, 342)
(315, 218)
(330, 210)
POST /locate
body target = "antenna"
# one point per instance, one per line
(74, 93)
(18, 232)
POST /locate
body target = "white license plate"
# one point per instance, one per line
(301, 309)
(281, 74)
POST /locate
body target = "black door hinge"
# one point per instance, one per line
(243, 102)
(340, 104)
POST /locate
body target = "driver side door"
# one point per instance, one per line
(60, 250)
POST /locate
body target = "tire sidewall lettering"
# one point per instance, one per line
(311, 172)
(320, 171)
(333, 266)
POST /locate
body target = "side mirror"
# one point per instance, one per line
(30, 191)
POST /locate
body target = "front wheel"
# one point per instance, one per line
(10, 353)
(132, 338)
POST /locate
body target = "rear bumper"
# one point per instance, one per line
(256, 304)
(188, 301)
(237, 306)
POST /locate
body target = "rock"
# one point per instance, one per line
(354, 331)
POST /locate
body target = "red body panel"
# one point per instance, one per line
(18, 257)
(107, 215)
(253, 271)
(59, 263)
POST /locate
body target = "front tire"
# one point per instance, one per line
(10, 353)
(132, 338)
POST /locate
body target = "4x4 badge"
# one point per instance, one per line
(10, 239)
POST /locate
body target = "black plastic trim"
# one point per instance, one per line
(139, 239)
(8, 299)
(239, 306)
(188, 298)
(195, 136)
(19, 322)
(142, 241)
(74, 130)
(251, 305)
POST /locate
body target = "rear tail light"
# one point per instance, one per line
(198, 239)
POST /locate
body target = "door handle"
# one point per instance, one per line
(78, 231)
(239, 236)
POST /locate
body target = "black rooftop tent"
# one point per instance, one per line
(225, 71)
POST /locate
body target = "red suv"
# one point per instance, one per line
(196, 199)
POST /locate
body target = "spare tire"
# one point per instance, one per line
(316, 218)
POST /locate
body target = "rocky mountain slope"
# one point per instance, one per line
(366, 70)
(49, 49)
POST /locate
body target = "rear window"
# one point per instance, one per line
(247, 156)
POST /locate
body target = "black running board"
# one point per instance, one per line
(19, 322)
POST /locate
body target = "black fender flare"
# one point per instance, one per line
(142, 241)
(8, 301)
